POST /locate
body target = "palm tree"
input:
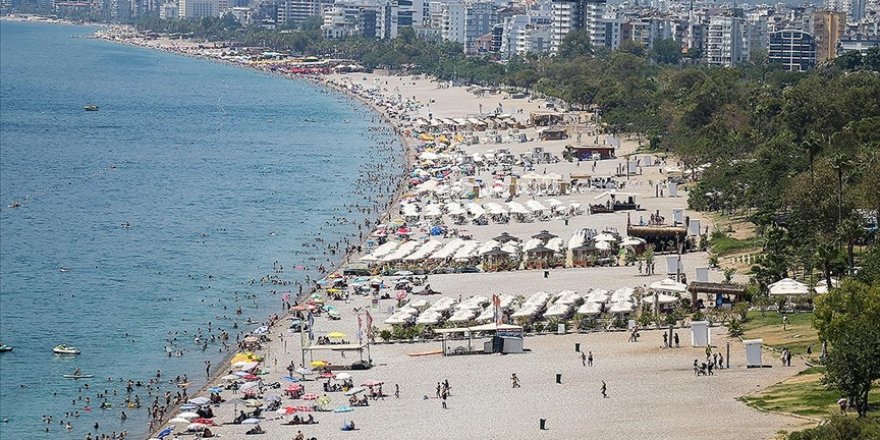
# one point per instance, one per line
(850, 230)
(840, 163)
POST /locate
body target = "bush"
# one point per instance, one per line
(646, 319)
(735, 328)
(841, 428)
(539, 327)
(741, 309)
(385, 335)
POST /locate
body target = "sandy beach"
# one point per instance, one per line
(652, 391)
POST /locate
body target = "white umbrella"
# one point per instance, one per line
(788, 286)
(343, 376)
(200, 401)
(196, 427)
(251, 421)
(187, 415)
(249, 385)
(177, 420)
(668, 285)
(822, 286)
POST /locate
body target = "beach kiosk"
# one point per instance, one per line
(700, 336)
(753, 352)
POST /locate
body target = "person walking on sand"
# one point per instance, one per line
(443, 397)
(604, 390)
(675, 339)
(397, 391)
(590, 359)
(515, 381)
(584, 358)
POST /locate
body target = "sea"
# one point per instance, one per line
(139, 224)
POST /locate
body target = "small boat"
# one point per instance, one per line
(91, 108)
(78, 376)
(64, 269)
(63, 349)
(4, 348)
(15, 204)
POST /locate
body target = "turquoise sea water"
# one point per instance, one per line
(218, 175)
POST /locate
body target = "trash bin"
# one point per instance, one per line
(558, 378)
(543, 423)
(577, 347)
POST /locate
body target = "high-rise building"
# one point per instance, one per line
(724, 41)
(568, 15)
(294, 12)
(465, 22)
(828, 29)
(794, 49)
(571, 15)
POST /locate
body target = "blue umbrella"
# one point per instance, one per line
(165, 432)
(290, 378)
(343, 409)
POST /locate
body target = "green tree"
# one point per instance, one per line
(666, 51)
(576, 44)
(848, 321)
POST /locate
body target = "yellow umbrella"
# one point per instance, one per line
(336, 335)
(245, 357)
(319, 364)
(333, 290)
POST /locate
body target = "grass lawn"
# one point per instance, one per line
(726, 245)
(798, 334)
(803, 395)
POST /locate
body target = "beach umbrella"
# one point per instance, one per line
(203, 421)
(354, 391)
(200, 401)
(187, 415)
(319, 364)
(304, 408)
(250, 421)
(178, 420)
(197, 427)
(304, 371)
(230, 377)
(323, 400)
(249, 385)
(343, 376)
(294, 387)
(371, 383)
(165, 432)
(310, 396)
(287, 410)
(343, 409)
(327, 375)
(788, 286)
(336, 335)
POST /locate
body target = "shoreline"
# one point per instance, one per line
(394, 200)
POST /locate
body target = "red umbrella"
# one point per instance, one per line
(250, 377)
(310, 396)
(203, 421)
(327, 375)
(302, 307)
(294, 387)
(289, 410)
(372, 383)
(303, 408)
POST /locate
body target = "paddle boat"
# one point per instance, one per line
(91, 108)
(63, 349)
(4, 348)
